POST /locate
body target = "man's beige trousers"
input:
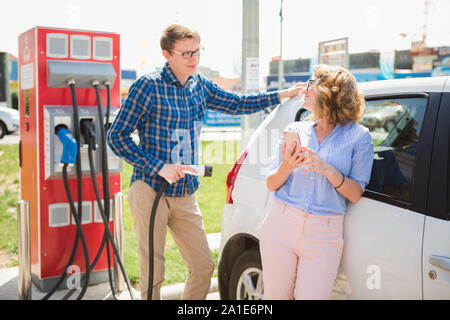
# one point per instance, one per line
(183, 217)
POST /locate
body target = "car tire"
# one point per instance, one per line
(246, 282)
(3, 130)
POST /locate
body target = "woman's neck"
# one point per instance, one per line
(324, 126)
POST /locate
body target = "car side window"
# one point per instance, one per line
(394, 125)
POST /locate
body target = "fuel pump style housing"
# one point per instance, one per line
(48, 59)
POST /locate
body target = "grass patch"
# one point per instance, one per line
(9, 193)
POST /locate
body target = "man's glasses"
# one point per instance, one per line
(309, 83)
(188, 54)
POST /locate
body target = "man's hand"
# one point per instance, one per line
(172, 172)
(292, 91)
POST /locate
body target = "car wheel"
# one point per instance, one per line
(3, 130)
(246, 281)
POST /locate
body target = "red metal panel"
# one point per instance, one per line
(56, 242)
(28, 130)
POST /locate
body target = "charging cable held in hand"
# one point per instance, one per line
(197, 170)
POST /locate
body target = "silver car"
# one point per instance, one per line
(9, 121)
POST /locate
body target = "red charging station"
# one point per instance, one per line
(47, 58)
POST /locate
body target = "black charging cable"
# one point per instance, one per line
(88, 133)
(162, 189)
(78, 223)
(76, 212)
(105, 170)
(106, 191)
(76, 126)
(74, 249)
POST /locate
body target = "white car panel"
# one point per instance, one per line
(436, 243)
(392, 270)
(240, 220)
(257, 198)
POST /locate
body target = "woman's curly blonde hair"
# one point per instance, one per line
(337, 96)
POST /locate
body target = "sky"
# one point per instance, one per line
(369, 25)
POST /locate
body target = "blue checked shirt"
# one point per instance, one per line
(168, 117)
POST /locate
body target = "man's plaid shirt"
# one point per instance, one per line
(168, 117)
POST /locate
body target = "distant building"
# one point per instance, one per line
(368, 66)
(8, 80)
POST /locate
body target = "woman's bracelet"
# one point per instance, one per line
(342, 182)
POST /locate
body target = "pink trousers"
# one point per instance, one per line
(300, 252)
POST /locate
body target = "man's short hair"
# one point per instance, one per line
(176, 32)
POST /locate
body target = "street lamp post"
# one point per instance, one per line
(280, 62)
(250, 52)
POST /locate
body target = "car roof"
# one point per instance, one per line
(410, 85)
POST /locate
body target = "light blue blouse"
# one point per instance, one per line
(348, 148)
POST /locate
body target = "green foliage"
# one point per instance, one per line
(9, 193)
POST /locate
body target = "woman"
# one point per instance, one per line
(302, 236)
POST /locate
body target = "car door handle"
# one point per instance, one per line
(440, 261)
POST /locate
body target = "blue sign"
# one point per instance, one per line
(312, 63)
(443, 69)
(13, 76)
(218, 119)
(405, 75)
(128, 74)
(387, 60)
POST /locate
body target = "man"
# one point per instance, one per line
(167, 108)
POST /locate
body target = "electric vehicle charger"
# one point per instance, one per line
(198, 170)
(76, 212)
(53, 221)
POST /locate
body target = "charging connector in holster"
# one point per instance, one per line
(70, 151)
(88, 133)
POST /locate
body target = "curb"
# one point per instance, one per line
(174, 291)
